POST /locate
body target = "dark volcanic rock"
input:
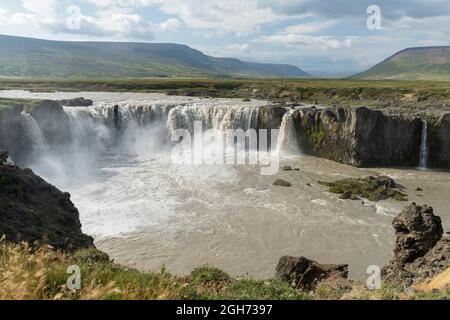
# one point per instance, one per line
(53, 122)
(3, 156)
(303, 273)
(282, 183)
(439, 142)
(77, 102)
(13, 135)
(420, 251)
(33, 210)
(359, 136)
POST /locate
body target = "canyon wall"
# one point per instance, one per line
(439, 141)
(359, 136)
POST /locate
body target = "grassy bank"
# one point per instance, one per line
(398, 95)
(42, 274)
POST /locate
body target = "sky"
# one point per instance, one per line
(325, 38)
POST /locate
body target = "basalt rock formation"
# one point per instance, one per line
(19, 123)
(3, 156)
(439, 141)
(420, 250)
(306, 274)
(32, 210)
(52, 120)
(76, 102)
(359, 136)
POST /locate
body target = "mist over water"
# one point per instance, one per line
(145, 209)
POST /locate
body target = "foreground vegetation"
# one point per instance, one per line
(26, 273)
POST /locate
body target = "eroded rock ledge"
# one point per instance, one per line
(360, 136)
(421, 251)
(32, 210)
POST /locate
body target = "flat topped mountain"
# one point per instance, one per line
(424, 63)
(26, 57)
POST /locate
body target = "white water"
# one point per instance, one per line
(34, 133)
(424, 146)
(145, 210)
(288, 143)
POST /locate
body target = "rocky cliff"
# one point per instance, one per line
(360, 136)
(421, 250)
(18, 120)
(439, 140)
(32, 210)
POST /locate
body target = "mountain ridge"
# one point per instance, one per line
(413, 63)
(30, 57)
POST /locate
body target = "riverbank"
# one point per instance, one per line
(392, 96)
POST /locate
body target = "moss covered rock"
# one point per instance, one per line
(371, 188)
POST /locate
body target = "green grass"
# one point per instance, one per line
(413, 64)
(41, 273)
(6, 104)
(391, 96)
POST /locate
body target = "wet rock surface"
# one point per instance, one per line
(303, 273)
(371, 188)
(282, 183)
(32, 210)
(77, 102)
(420, 250)
(3, 156)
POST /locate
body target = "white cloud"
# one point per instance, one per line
(323, 42)
(108, 23)
(236, 16)
(237, 48)
(310, 27)
(41, 8)
(170, 25)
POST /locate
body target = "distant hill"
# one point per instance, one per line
(424, 63)
(26, 57)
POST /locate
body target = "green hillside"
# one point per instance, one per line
(426, 63)
(26, 57)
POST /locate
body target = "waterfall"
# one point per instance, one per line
(424, 146)
(287, 139)
(34, 134)
(213, 117)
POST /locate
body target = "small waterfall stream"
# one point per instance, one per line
(424, 146)
(287, 139)
(34, 134)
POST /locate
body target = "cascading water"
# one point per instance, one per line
(287, 139)
(424, 146)
(34, 134)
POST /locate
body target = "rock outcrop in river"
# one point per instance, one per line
(32, 210)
